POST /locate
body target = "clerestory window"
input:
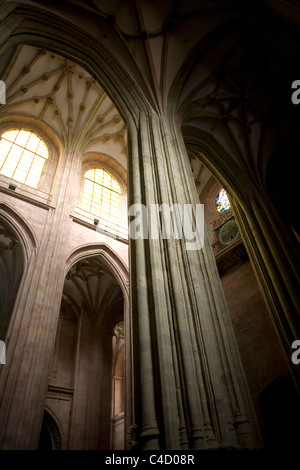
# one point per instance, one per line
(22, 156)
(101, 195)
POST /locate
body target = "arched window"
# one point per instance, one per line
(101, 194)
(22, 156)
(222, 201)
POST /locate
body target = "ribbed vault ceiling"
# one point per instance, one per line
(224, 67)
(91, 289)
(51, 88)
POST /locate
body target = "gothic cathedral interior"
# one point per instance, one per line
(117, 331)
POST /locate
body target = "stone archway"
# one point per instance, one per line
(11, 271)
(50, 437)
(82, 365)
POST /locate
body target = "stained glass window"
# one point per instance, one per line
(222, 201)
(22, 156)
(101, 195)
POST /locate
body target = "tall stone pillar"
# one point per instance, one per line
(276, 263)
(190, 389)
(32, 339)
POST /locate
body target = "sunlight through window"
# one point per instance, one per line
(22, 156)
(222, 201)
(101, 195)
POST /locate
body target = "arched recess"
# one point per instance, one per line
(89, 342)
(50, 437)
(281, 421)
(18, 251)
(274, 257)
(109, 258)
(18, 223)
(17, 244)
(11, 272)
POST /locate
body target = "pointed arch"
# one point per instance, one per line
(110, 259)
(17, 246)
(18, 224)
(51, 437)
(29, 25)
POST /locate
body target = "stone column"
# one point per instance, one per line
(190, 389)
(275, 261)
(32, 339)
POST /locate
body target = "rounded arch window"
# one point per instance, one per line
(222, 201)
(22, 156)
(101, 193)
